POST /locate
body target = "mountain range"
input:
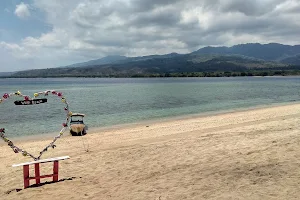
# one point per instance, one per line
(238, 58)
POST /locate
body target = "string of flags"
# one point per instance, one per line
(31, 101)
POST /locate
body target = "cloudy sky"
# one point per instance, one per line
(52, 33)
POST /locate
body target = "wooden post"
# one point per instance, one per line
(26, 175)
(55, 171)
(37, 173)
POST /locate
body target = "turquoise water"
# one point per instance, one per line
(108, 102)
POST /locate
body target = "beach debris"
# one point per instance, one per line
(13, 190)
(34, 101)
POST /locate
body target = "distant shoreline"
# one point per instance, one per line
(256, 73)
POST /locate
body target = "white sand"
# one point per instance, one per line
(251, 154)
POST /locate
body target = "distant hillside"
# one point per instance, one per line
(269, 52)
(278, 58)
(120, 59)
(294, 60)
(101, 61)
(6, 73)
(165, 65)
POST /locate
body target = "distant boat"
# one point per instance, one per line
(31, 102)
(78, 128)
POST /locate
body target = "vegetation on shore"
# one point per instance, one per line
(181, 74)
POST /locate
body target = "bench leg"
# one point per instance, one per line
(37, 173)
(55, 171)
(26, 176)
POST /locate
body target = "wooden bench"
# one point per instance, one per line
(37, 176)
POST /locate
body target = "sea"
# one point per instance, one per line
(108, 102)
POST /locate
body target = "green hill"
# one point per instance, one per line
(249, 59)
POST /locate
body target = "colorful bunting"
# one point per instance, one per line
(16, 149)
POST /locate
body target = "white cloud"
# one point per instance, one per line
(56, 39)
(22, 10)
(16, 50)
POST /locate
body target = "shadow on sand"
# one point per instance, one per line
(41, 184)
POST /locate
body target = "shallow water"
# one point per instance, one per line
(114, 101)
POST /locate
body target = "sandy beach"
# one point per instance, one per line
(251, 154)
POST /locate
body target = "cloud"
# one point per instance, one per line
(17, 50)
(55, 39)
(22, 10)
(250, 8)
(89, 29)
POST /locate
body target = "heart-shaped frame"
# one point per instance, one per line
(29, 101)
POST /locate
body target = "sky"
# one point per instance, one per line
(36, 34)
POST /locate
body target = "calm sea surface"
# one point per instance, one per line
(114, 101)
